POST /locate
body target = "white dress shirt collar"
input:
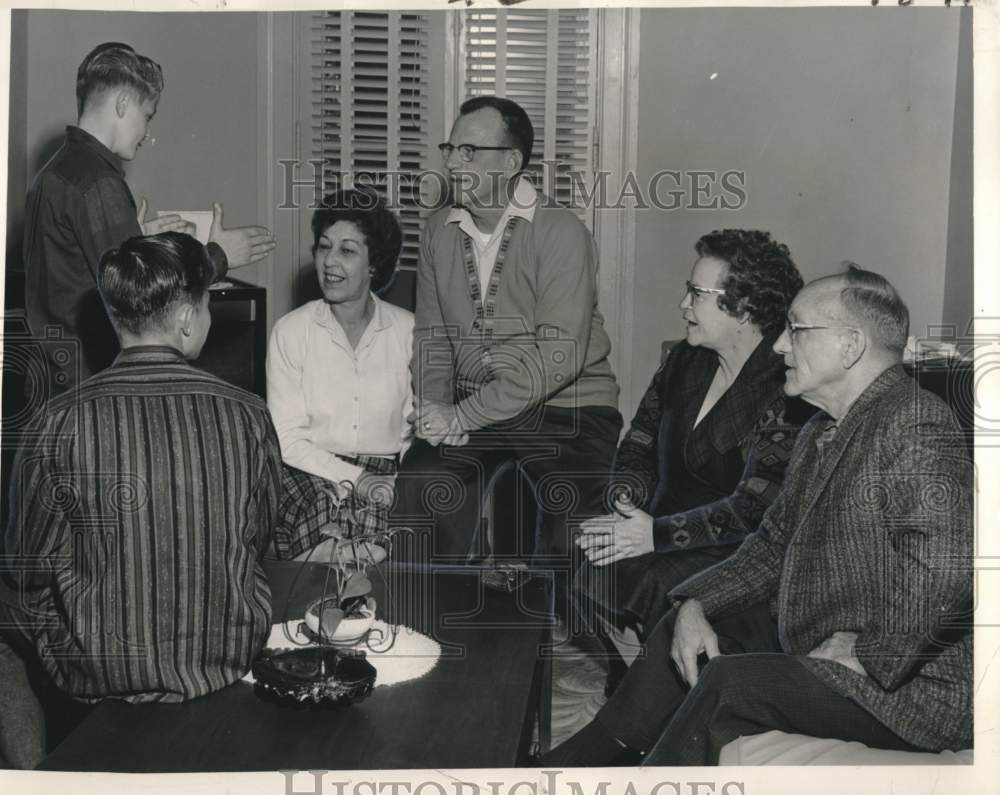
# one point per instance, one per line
(379, 321)
(523, 205)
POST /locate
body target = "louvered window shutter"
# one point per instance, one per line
(543, 60)
(369, 121)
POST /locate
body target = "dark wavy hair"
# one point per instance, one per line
(519, 129)
(143, 279)
(116, 65)
(383, 235)
(761, 280)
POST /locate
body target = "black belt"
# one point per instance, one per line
(375, 464)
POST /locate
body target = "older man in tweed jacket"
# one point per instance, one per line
(844, 615)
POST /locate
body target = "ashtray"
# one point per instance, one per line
(316, 673)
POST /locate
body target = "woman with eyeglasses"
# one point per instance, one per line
(338, 380)
(707, 449)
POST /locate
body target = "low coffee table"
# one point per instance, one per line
(476, 708)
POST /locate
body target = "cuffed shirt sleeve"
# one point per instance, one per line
(220, 262)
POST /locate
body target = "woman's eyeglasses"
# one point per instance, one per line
(697, 292)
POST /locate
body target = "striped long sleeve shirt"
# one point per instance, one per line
(141, 508)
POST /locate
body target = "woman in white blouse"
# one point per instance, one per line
(338, 379)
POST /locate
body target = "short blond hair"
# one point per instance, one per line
(116, 65)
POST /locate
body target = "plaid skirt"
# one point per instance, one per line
(308, 507)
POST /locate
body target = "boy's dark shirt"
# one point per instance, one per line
(78, 207)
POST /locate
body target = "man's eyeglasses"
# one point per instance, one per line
(794, 328)
(698, 292)
(468, 151)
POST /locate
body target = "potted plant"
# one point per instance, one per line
(347, 616)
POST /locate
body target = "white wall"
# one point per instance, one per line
(227, 116)
(842, 120)
(958, 288)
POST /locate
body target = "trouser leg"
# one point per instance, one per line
(35, 716)
(636, 591)
(748, 694)
(653, 689)
(439, 494)
(567, 464)
(564, 454)
(22, 721)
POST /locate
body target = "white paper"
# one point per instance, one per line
(202, 219)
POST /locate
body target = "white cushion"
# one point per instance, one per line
(779, 748)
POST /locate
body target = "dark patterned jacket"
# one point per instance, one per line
(709, 485)
(873, 535)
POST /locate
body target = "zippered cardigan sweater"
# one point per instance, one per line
(538, 339)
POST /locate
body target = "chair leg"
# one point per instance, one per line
(545, 706)
(617, 667)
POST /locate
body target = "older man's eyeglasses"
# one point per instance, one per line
(468, 151)
(697, 292)
(795, 328)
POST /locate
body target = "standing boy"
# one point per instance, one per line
(79, 206)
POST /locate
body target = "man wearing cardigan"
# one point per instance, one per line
(510, 359)
(845, 614)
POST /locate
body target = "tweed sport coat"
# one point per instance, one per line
(871, 533)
